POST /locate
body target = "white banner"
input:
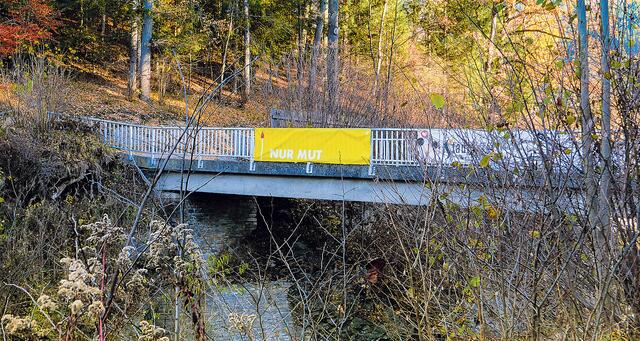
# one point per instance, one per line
(504, 149)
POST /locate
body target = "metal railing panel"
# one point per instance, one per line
(162, 141)
(393, 147)
(389, 146)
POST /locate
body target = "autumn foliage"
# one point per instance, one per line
(25, 22)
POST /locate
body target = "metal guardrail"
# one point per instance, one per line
(197, 142)
(174, 141)
(388, 146)
(394, 147)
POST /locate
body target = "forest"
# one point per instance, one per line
(91, 250)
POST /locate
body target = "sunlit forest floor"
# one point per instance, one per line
(101, 91)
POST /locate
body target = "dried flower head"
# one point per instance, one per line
(17, 326)
(45, 302)
(75, 307)
(96, 309)
(242, 322)
(103, 232)
(151, 333)
(79, 281)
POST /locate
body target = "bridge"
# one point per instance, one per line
(223, 161)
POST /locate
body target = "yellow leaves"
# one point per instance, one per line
(535, 234)
(584, 257)
(492, 213)
(484, 162)
(474, 282)
(571, 119)
(484, 256)
(69, 200)
(437, 100)
(411, 293)
(559, 64)
(473, 242)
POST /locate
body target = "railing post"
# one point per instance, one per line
(130, 146)
(109, 133)
(153, 146)
(252, 164)
(372, 170)
(116, 128)
(199, 147)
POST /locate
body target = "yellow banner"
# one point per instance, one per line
(317, 145)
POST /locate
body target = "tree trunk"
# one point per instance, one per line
(270, 86)
(370, 36)
(390, 63)
(103, 22)
(587, 119)
(492, 37)
(606, 121)
(493, 114)
(223, 68)
(236, 52)
(247, 53)
(161, 73)
(81, 13)
(190, 73)
(588, 128)
(103, 26)
(303, 14)
(133, 53)
(145, 52)
(379, 53)
(317, 41)
(332, 57)
(602, 233)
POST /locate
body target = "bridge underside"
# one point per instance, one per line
(359, 190)
(391, 185)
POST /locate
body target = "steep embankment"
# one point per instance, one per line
(51, 181)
